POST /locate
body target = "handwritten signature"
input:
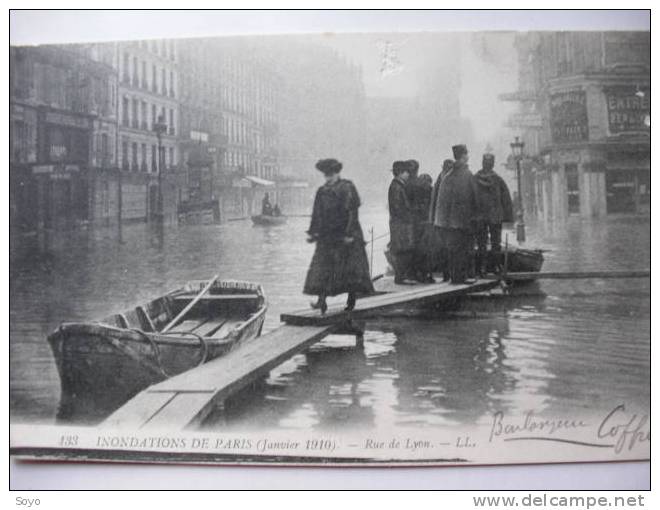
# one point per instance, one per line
(626, 430)
(618, 429)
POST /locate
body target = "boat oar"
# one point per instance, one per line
(183, 312)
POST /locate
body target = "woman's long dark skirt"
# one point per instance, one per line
(337, 268)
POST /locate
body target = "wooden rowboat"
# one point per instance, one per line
(517, 260)
(265, 220)
(103, 364)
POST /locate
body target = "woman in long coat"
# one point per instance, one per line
(340, 261)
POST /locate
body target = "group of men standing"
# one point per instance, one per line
(435, 227)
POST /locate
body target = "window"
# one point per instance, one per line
(124, 155)
(143, 82)
(134, 161)
(172, 122)
(105, 149)
(572, 187)
(153, 115)
(163, 82)
(125, 73)
(171, 83)
(144, 116)
(124, 111)
(143, 163)
(171, 151)
(154, 158)
(135, 118)
(136, 77)
(154, 79)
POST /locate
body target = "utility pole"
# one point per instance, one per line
(517, 150)
(159, 128)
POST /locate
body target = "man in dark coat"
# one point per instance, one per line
(440, 257)
(402, 222)
(455, 213)
(494, 207)
(340, 261)
(419, 196)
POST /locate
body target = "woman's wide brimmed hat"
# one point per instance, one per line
(398, 167)
(329, 166)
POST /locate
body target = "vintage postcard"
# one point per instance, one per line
(336, 249)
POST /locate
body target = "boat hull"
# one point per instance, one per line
(264, 220)
(517, 260)
(101, 366)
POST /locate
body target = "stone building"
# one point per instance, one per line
(62, 132)
(585, 119)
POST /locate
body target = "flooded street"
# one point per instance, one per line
(581, 347)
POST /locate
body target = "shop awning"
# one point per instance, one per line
(258, 181)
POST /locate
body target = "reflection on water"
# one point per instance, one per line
(582, 346)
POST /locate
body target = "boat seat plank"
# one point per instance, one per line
(197, 391)
(189, 325)
(218, 297)
(226, 328)
(209, 327)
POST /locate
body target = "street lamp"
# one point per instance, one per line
(517, 150)
(159, 128)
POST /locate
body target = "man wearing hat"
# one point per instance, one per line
(402, 218)
(494, 207)
(455, 213)
(340, 260)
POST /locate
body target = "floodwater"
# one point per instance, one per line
(581, 346)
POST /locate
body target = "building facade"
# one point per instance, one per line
(584, 117)
(62, 132)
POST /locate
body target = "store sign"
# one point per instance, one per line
(568, 117)
(54, 170)
(62, 119)
(628, 110)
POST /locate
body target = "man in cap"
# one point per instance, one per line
(455, 212)
(494, 207)
(402, 218)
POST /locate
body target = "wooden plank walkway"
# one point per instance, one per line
(186, 399)
(391, 296)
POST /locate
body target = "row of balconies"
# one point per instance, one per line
(143, 166)
(135, 83)
(144, 126)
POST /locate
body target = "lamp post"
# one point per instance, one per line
(517, 150)
(159, 128)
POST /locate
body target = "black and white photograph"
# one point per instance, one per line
(368, 248)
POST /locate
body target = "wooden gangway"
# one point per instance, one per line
(187, 399)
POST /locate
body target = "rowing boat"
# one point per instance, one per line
(517, 260)
(103, 364)
(266, 220)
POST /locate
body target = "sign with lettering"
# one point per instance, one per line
(63, 119)
(568, 116)
(628, 110)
